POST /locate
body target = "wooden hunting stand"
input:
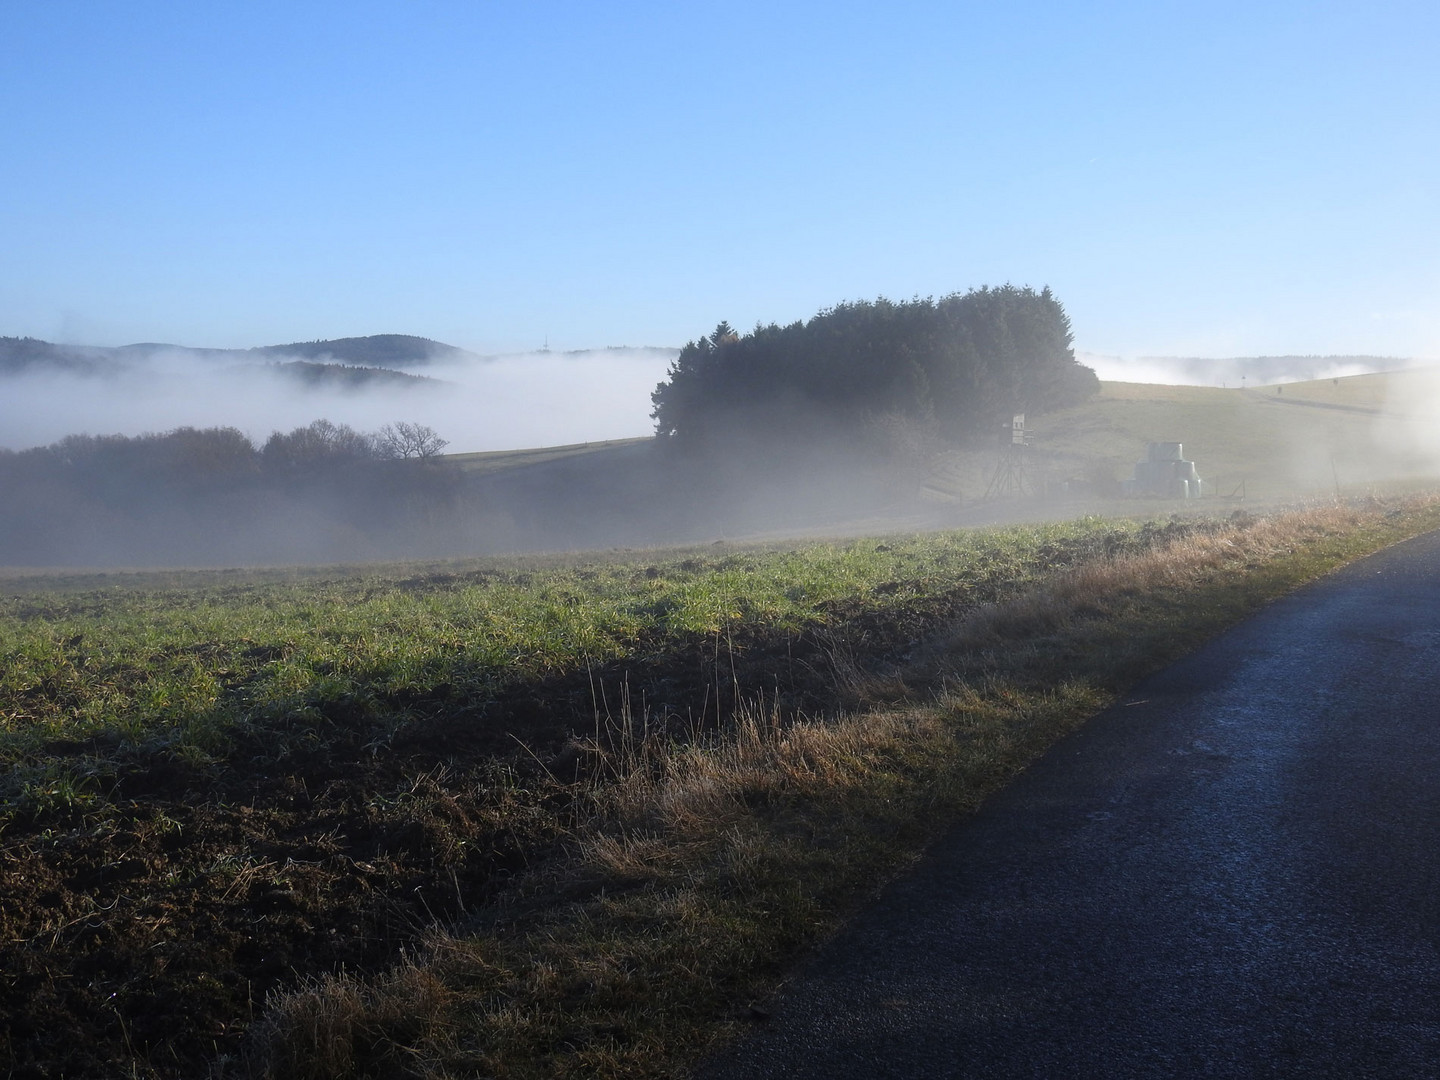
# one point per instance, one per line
(1010, 471)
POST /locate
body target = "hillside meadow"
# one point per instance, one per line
(1254, 446)
(1346, 436)
(542, 816)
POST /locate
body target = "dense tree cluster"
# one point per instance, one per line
(199, 494)
(959, 364)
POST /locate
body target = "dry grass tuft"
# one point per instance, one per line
(343, 1025)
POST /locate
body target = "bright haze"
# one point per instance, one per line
(1192, 180)
(474, 402)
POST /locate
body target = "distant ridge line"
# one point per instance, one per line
(388, 351)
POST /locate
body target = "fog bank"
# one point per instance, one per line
(477, 403)
(1235, 370)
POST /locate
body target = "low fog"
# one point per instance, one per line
(1408, 425)
(476, 403)
(1235, 370)
(180, 496)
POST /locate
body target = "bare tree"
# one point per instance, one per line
(318, 444)
(406, 440)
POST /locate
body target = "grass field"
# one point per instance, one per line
(1356, 432)
(499, 460)
(1262, 443)
(544, 816)
(215, 783)
(1353, 435)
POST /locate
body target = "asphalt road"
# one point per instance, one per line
(1235, 872)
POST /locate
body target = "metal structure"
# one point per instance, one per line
(1010, 479)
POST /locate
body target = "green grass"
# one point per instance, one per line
(186, 667)
(498, 460)
(700, 870)
(598, 804)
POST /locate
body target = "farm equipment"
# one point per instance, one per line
(1165, 472)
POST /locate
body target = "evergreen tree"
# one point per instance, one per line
(958, 363)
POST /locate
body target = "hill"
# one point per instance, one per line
(1238, 370)
(390, 351)
(1261, 444)
(1269, 442)
(19, 355)
(349, 376)
(1261, 370)
(376, 350)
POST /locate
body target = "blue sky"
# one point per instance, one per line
(1191, 179)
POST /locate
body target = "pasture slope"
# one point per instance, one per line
(1355, 433)
(1349, 437)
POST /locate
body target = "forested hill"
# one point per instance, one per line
(30, 354)
(376, 351)
(959, 366)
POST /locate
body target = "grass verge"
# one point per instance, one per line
(694, 868)
(219, 784)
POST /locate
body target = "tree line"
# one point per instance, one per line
(197, 494)
(958, 365)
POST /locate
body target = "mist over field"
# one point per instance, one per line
(154, 454)
(476, 403)
(1235, 370)
(1409, 426)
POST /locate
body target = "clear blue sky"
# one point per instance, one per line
(1190, 178)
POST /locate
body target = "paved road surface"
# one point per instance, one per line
(1233, 873)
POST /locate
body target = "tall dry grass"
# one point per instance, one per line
(696, 867)
(349, 1025)
(1193, 559)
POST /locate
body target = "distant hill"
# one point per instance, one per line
(26, 354)
(1273, 369)
(379, 351)
(1235, 370)
(348, 376)
(633, 350)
